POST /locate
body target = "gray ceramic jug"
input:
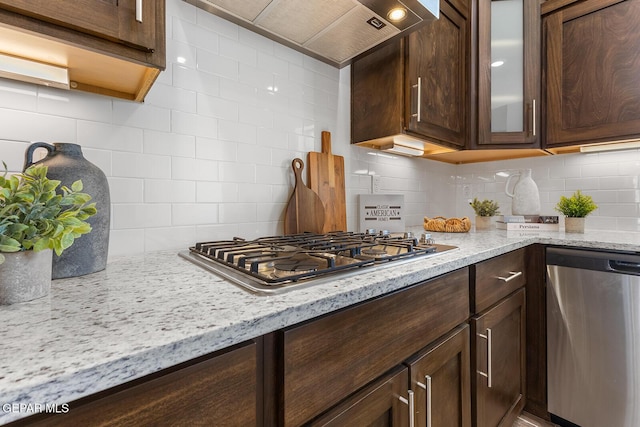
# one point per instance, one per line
(65, 163)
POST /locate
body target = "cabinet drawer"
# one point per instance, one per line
(498, 277)
(325, 360)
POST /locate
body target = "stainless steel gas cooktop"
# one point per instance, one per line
(276, 264)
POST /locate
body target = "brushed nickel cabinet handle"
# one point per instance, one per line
(513, 275)
(533, 114)
(411, 403)
(417, 115)
(427, 386)
(139, 10)
(487, 375)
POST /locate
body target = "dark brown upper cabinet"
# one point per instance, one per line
(417, 87)
(437, 77)
(126, 21)
(509, 73)
(592, 76)
(109, 47)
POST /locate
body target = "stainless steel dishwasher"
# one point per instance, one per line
(593, 337)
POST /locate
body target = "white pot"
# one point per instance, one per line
(25, 276)
(574, 225)
(484, 223)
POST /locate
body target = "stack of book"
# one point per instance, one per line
(528, 222)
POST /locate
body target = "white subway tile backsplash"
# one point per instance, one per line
(100, 135)
(237, 132)
(195, 80)
(207, 148)
(619, 182)
(194, 213)
(216, 24)
(169, 144)
(126, 190)
(134, 165)
(232, 213)
(169, 238)
(18, 95)
(215, 64)
(173, 97)
(126, 242)
(194, 124)
(138, 215)
(238, 172)
(141, 115)
(74, 104)
(217, 192)
(12, 153)
(246, 55)
(217, 107)
(31, 126)
(195, 35)
(169, 191)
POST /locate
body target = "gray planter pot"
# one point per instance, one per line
(25, 276)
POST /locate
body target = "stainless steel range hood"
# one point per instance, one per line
(333, 31)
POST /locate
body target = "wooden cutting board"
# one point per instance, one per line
(305, 211)
(326, 178)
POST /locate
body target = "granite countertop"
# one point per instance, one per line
(153, 311)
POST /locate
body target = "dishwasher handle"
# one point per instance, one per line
(624, 267)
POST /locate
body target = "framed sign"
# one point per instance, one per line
(382, 212)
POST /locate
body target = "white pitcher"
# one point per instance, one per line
(525, 198)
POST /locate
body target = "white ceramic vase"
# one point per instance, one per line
(25, 276)
(525, 198)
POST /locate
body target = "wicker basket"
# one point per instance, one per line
(447, 225)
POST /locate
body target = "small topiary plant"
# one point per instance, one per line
(577, 206)
(485, 207)
(33, 216)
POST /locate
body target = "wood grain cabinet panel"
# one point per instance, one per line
(377, 405)
(440, 378)
(384, 84)
(592, 80)
(102, 44)
(220, 391)
(500, 362)
(329, 358)
(498, 277)
(438, 56)
(110, 19)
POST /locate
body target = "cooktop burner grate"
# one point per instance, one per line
(278, 261)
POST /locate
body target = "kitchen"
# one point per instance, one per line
(208, 154)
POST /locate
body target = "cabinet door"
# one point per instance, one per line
(110, 19)
(499, 336)
(508, 72)
(440, 379)
(327, 359)
(437, 75)
(592, 78)
(383, 403)
(219, 391)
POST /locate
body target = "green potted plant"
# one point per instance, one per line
(484, 210)
(34, 221)
(575, 209)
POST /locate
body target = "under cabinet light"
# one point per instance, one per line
(402, 149)
(611, 146)
(12, 67)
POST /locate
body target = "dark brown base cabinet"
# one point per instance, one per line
(324, 361)
(498, 339)
(218, 390)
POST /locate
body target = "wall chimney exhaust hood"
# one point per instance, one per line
(333, 31)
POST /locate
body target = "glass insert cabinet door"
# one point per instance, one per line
(509, 71)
